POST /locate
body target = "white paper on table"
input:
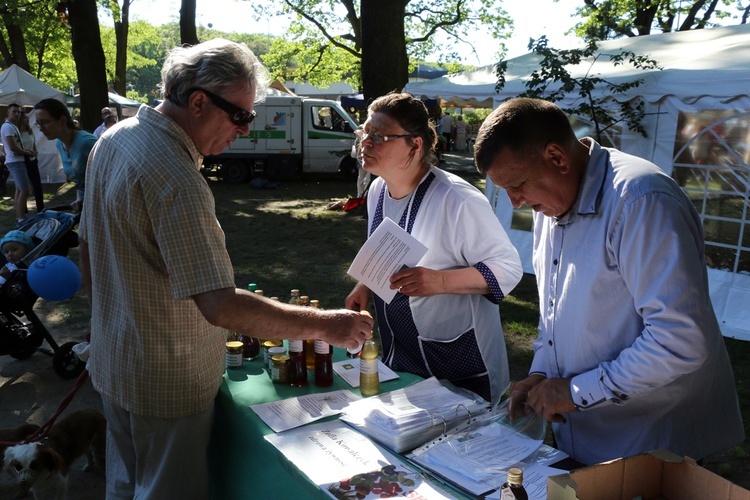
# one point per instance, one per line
(293, 412)
(388, 249)
(334, 456)
(349, 371)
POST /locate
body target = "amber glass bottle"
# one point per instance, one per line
(323, 364)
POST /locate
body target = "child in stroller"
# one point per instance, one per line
(22, 333)
(14, 245)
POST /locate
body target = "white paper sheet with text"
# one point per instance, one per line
(349, 371)
(385, 252)
(294, 412)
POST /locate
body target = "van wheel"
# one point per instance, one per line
(349, 168)
(235, 172)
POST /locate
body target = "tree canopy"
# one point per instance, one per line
(329, 39)
(603, 19)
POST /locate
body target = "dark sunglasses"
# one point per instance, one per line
(237, 115)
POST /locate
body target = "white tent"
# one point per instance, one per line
(20, 87)
(698, 125)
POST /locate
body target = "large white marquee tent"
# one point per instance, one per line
(698, 125)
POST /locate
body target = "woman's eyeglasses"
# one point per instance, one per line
(377, 138)
(237, 115)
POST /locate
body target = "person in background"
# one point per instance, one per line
(106, 112)
(109, 122)
(448, 130)
(15, 245)
(32, 165)
(460, 133)
(444, 321)
(629, 356)
(15, 156)
(74, 145)
(160, 281)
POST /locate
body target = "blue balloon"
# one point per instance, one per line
(54, 277)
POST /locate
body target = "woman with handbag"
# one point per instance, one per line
(28, 142)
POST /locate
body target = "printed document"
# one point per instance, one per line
(349, 371)
(294, 412)
(386, 251)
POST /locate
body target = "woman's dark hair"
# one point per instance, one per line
(411, 114)
(56, 109)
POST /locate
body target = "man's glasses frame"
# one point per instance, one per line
(237, 115)
(377, 138)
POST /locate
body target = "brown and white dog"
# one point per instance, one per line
(43, 466)
(15, 435)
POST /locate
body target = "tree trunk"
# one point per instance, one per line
(16, 52)
(188, 34)
(385, 65)
(89, 58)
(121, 51)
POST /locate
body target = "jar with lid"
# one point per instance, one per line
(280, 369)
(234, 355)
(513, 488)
(266, 346)
(294, 299)
(274, 351)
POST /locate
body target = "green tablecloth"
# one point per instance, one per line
(242, 464)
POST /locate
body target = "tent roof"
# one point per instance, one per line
(694, 63)
(20, 87)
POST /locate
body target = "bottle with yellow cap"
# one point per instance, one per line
(369, 381)
(513, 488)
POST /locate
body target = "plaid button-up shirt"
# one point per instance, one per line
(154, 242)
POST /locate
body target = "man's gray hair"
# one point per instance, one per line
(216, 65)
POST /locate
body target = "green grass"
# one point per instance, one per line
(284, 239)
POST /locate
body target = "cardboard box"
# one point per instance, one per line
(657, 475)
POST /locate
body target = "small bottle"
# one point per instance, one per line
(310, 343)
(369, 382)
(304, 300)
(295, 299)
(323, 364)
(297, 363)
(251, 287)
(513, 487)
(258, 292)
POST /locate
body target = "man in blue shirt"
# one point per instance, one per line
(629, 356)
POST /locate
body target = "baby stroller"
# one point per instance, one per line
(21, 331)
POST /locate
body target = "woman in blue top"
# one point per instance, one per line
(74, 145)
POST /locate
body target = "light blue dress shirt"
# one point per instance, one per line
(625, 313)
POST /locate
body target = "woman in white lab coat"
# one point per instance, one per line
(444, 320)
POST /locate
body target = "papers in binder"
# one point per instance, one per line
(477, 458)
(388, 249)
(346, 464)
(408, 417)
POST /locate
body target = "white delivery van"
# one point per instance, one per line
(289, 136)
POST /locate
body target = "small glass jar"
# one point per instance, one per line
(280, 369)
(274, 351)
(267, 344)
(234, 354)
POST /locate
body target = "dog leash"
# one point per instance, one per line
(39, 434)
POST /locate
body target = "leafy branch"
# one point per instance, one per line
(553, 81)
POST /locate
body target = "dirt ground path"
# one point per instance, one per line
(30, 391)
